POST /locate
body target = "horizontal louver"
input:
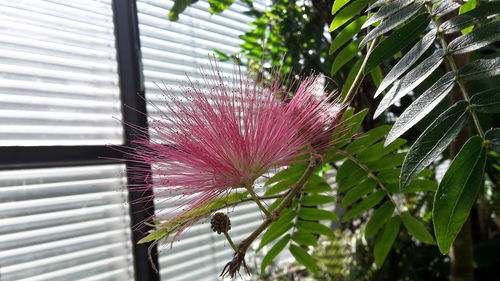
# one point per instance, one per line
(65, 224)
(58, 73)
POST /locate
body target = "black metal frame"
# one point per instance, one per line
(133, 102)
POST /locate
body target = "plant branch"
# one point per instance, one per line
(359, 76)
(230, 241)
(371, 175)
(257, 201)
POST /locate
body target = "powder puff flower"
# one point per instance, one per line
(226, 133)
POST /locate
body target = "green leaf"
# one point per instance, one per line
(349, 174)
(349, 126)
(155, 235)
(350, 77)
(304, 258)
(278, 228)
(345, 56)
(275, 250)
(378, 3)
(384, 242)
(357, 192)
(410, 81)
(407, 61)
(457, 192)
(493, 135)
(377, 76)
(387, 10)
(179, 7)
(392, 22)
(314, 200)
(387, 162)
(378, 150)
(444, 7)
(467, 6)
(379, 218)
(316, 214)
(369, 202)
(217, 6)
(487, 101)
(397, 41)
(337, 4)
(421, 186)
(316, 184)
(314, 227)
(389, 176)
(417, 229)
(424, 104)
(433, 142)
(480, 69)
(476, 39)
(346, 34)
(305, 238)
(469, 18)
(347, 13)
(367, 139)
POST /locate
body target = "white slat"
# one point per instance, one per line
(58, 73)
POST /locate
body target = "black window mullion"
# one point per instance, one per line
(133, 103)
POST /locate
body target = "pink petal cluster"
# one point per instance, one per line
(224, 135)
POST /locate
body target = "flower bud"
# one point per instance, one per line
(220, 223)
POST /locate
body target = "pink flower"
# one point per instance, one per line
(223, 135)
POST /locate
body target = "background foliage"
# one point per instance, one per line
(431, 69)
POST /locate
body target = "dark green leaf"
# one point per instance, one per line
(444, 7)
(433, 141)
(337, 4)
(390, 176)
(304, 258)
(357, 192)
(469, 18)
(476, 39)
(487, 101)
(346, 34)
(392, 22)
(384, 242)
(347, 13)
(316, 184)
(378, 150)
(349, 174)
(217, 6)
(421, 186)
(422, 106)
(316, 214)
(351, 76)
(457, 192)
(377, 76)
(275, 250)
(378, 3)
(493, 135)
(367, 139)
(465, 7)
(410, 81)
(386, 11)
(345, 56)
(398, 40)
(387, 162)
(314, 227)
(305, 238)
(379, 218)
(407, 60)
(417, 229)
(364, 205)
(480, 69)
(314, 200)
(278, 228)
(349, 126)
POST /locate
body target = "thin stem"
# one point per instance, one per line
(230, 241)
(359, 76)
(257, 201)
(372, 176)
(296, 188)
(454, 68)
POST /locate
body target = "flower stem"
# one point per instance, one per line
(257, 201)
(230, 241)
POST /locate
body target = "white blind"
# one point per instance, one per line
(58, 73)
(170, 51)
(65, 224)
